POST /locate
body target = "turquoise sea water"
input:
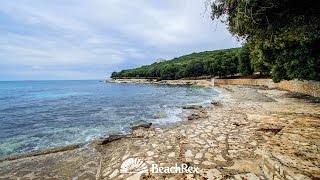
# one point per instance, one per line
(35, 115)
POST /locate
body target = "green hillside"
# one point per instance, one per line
(214, 63)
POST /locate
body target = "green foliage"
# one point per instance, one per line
(258, 61)
(114, 75)
(283, 36)
(195, 68)
(154, 72)
(215, 63)
(244, 67)
(169, 71)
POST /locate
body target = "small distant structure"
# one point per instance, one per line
(160, 60)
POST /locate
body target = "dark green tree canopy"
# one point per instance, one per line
(283, 35)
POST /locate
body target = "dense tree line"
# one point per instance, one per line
(222, 63)
(283, 36)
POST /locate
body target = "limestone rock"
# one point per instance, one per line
(188, 153)
(208, 163)
(198, 155)
(249, 176)
(172, 154)
(213, 174)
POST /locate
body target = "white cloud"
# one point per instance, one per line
(99, 33)
(35, 67)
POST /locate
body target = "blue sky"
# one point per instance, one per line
(75, 39)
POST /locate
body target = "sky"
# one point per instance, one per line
(76, 39)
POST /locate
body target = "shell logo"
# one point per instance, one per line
(133, 165)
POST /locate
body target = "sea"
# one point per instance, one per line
(37, 115)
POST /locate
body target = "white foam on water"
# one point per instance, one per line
(173, 115)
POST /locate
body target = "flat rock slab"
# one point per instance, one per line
(79, 163)
(294, 152)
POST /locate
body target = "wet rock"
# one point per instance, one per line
(107, 140)
(216, 103)
(144, 125)
(199, 115)
(192, 107)
(193, 117)
(42, 152)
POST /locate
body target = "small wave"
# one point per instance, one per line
(51, 95)
(173, 115)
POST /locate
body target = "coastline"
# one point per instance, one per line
(237, 137)
(202, 83)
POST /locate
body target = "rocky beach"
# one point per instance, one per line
(203, 83)
(160, 90)
(250, 133)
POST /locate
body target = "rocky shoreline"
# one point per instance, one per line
(203, 83)
(252, 133)
(140, 128)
